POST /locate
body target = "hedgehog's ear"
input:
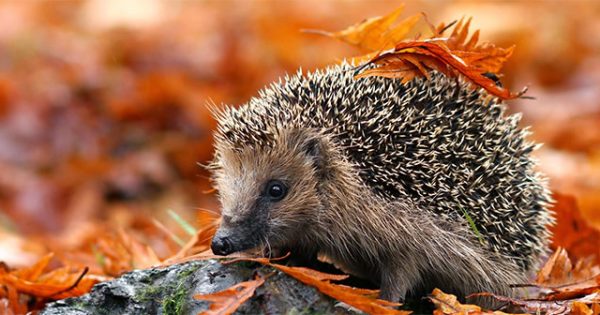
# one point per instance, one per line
(313, 145)
(316, 149)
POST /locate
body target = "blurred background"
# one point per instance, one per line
(103, 118)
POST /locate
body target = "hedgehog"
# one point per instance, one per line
(416, 185)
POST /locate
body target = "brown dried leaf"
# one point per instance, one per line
(33, 272)
(579, 308)
(543, 306)
(484, 57)
(556, 270)
(438, 57)
(448, 304)
(59, 283)
(572, 231)
(458, 54)
(377, 33)
(560, 275)
(227, 301)
(359, 298)
(562, 281)
(142, 255)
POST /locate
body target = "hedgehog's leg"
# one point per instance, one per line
(397, 281)
(394, 293)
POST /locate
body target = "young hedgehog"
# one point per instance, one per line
(418, 185)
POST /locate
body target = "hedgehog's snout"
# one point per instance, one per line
(232, 237)
(221, 245)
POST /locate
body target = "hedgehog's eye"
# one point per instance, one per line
(276, 190)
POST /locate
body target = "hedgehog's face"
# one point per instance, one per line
(269, 195)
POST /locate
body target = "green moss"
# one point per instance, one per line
(150, 293)
(173, 300)
(79, 304)
(173, 303)
(184, 274)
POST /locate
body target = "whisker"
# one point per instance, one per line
(269, 247)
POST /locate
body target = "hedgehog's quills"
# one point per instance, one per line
(382, 178)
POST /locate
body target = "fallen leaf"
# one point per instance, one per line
(544, 306)
(579, 308)
(56, 284)
(560, 274)
(556, 270)
(123, 252)
(572, 231)
(229, 300)
(446, 304)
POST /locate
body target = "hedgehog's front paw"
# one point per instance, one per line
(393, 289)
(392, 293)
(391, 296)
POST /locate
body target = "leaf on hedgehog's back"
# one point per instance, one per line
(483, 57)
(417, 58)
(227, 301)
(456, 55)
(376, 33)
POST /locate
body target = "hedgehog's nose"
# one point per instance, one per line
(221, 246)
